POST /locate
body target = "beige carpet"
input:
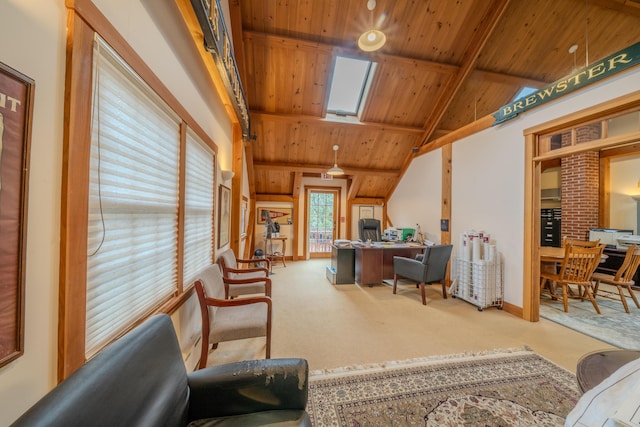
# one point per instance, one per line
(341, 325)
(492, 388)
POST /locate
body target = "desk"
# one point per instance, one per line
(375, 263)
(268, 250)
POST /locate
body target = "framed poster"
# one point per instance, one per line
(282, 215)
(224, 215)
(366, 212)
(243, 216)
(16, 105)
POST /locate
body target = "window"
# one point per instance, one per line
(525, 91)
(133, 201)
(350, 76)
(199, 194)
(138, 195)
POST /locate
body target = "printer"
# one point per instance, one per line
(625, 241)
(608, 236)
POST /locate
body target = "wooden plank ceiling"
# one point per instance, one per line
(444, 65)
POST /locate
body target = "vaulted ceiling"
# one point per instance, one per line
(445, 64)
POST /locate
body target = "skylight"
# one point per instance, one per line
(526, 90)
(347, 86)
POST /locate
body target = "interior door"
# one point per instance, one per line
(322, 222)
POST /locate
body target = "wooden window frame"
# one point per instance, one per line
(83, 21)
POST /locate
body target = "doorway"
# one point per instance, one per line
(322, 224)
(540, 150)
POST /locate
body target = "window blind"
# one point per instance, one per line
(199, 197)
(133, 201)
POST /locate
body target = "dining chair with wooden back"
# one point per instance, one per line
(623, 279)
(582, 243)
(577, 267)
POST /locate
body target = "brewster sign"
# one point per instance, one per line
(606, 67)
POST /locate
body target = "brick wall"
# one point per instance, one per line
(580, 187)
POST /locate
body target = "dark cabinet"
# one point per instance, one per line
(550, 227)
(342, 269)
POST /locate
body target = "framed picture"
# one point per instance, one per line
(366, 212)
(224, 215)
(16, 105)
(282, 215)
(243, 216)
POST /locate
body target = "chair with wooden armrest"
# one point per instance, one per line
(577, 268)
(431, 268)
(228, 320)
(242, 277)
(623, 279)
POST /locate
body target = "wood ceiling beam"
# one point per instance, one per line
(627, 6)
(297, 185)
(383, 58)
(339, 121)
(473, 127)
(506, 79)
(300, 167)
(489, 23)
(266, 197)
(248, 153)
(356, 183)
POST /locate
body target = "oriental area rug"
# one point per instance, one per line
(512, 387)
(614, 326)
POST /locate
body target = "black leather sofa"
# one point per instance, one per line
(141, 380)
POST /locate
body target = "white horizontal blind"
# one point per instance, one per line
(199, 196)
(133, 201)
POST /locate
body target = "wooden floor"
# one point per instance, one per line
(341, 325)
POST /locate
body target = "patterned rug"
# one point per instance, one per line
(613, 326)
(514, 387)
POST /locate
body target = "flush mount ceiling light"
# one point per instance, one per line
(335, 170)
(371, 39)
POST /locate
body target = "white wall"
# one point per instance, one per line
(32, 40)
(488, 179)
(418, 197)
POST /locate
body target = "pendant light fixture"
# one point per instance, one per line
(335, 170)
(371, 39)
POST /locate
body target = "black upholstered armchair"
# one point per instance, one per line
(141, 380)
(426, 269)
(369, 229)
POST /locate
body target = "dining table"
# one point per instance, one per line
(552, 254)
(551, 257)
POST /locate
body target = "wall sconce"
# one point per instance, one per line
(227, 175)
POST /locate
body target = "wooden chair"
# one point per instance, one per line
(244, 281)
(581, 243)
(430, 268)
(577, 268)
(228, 320)
(623, 278)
